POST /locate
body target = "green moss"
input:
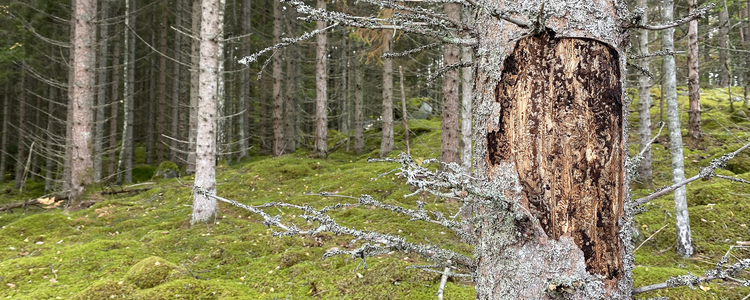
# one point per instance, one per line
(108, 290)
(190, 288)
(143, 173)
(166, 169)
(151, 272)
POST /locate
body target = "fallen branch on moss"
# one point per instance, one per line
(44, 200)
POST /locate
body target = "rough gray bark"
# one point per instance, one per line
(467, 86)
(49, 157)
(125, 164)
(150, 112)
(176, 70)
(82, 101)
(278, 131)
(359, 138)
(21, 144)
(290, 113)
(404, 112)
(386, 143)
(321, 89)
(682, 227)
(694, 120)
(449, 146)
(194, 85)
(644, 101)
(101, 100)
(723, 45)
(212, 23)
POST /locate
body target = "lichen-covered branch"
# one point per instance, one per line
(705, 173)
(698, 13)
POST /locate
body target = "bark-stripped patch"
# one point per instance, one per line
(560, 124)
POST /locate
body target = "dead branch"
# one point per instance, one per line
(698, 13)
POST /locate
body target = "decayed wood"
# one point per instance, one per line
(560, 125)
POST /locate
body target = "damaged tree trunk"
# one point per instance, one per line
(550, 111)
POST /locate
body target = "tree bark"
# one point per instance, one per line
(321, 88)
(278, 131)
(194, 85)
(466, 101)
(113, 114)
(550, 115)
(386, 143)
(682, 226)
(644, 100)
(204, 207)
(723, 45)
(161, 120)
(21, 145)
(176, 73)
(694, 120)
(404, 113)
(82, 101)
(359, 137)
(244, 83)
(102, 91)
(449, 146)
(125, 164)
(4, 141)
(49, 146)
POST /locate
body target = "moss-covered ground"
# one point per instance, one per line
(140, 246)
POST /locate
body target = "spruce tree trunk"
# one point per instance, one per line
(49, 146)
(550, 126)
(176, 73)
(386, 143)
(644, 100)
(723, 45)
(150, 112)
(21, 144)
(161, 120)
(278, 130)
(82, 101)
(290, 113)
(449, 146)
(244, 83)
(101, 91)
(4, 141)
(694, 121)
(205, 208)
(466, 101)
(682, 226)
(359, 137)
(125, 164)
(113, 113)
(321, 88)
(194, 84)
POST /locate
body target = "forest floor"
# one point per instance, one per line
(140, 245)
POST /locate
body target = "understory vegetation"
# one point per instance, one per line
(139, 245)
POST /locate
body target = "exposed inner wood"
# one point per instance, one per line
(561, 126)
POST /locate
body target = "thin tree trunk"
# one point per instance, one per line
(84, 78)
(694, 122)
(244, 83)
(161, 120)
(21, 127)
(221, 102)
(723, 45)
(404, 113)
(212, 23)
(49, 147)
(150, 113)
(194, 83)
(114, 114)
(466, 101)
(102, 91)
(449, 146)
(644, 100)
(278, 102)
(176, 70)
(359, 137)
(321, 89)
(386, 144)
(290, 114)
(682, 226)
(125, 164)
(4, 141)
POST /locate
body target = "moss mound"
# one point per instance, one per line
(165, 170)
(190, 288)
(108, 290)
(151, 272)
